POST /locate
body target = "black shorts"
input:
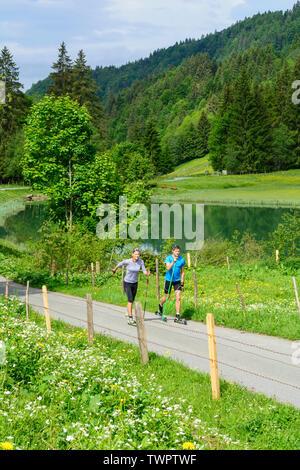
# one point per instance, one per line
(175, 284)
(131, 290)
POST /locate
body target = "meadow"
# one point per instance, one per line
(279, 188)
(13, 194)
(57, 391)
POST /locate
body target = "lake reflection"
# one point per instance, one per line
(25, 220)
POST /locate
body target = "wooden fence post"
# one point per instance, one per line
(27, 300)
(296, 294)
(141, 333)
(6, 289)
(67, 271)
(97, 267)
(93, 275)
(157, 278)
(46, 308)
(53, 268)
(213, 361)
(123, 280)
(189, 260)
(241, 297)
(277, 256)
(228, 263)
(195, 288)
(90, 318)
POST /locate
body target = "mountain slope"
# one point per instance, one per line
(277, 29)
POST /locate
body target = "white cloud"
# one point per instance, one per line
(12, 29)
(189, 15)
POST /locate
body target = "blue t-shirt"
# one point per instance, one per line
(176, 267)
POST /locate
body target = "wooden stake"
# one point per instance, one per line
(53, 267)
(67, 271)
(213, 361)
(90, 318)
(195, 260)
(296, 293)
(195, 288)
(123, 280)
(277, 256)
(93, 275)
(189, 260)
(97, 267)
(27, 300)
(6, 289)
(46, 308)
(141, 333)
(242, 298)
(157, 278)
(228, 263)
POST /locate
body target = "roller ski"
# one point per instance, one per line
(160, 313)
(131, 321)
(179, 320)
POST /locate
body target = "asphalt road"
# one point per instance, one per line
(261, 363)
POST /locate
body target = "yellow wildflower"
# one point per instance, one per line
(6, 446)
(188, 446)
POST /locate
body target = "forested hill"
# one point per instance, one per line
(272, 28)
(240, 111)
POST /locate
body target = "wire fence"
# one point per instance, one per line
(199, 335)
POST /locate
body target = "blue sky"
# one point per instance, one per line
(111, 32)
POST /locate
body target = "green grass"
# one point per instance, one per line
(14, 194)
(260, 189)
(194, 167)
(60, 392)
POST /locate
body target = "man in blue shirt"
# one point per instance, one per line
(175, 273)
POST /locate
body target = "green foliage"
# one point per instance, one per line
(12, 117)
(286, 238)
(133, 162)
(58, 155)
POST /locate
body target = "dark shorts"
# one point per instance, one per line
(175, 284)
(131, 290)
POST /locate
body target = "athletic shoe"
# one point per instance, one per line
(160, 310)
(131, 321)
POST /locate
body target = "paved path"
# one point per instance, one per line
(259, 362)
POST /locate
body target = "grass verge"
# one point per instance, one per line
(60, 392)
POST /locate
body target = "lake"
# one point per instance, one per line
(19, 222)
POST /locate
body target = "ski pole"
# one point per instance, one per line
(146, 295)
(171, 306)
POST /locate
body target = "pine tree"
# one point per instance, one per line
(217, 141)
(203, 129)
(83, 90)
(293, 112)
(191, 143)
(281, 95)
(167, 164)
(153, 146)
(13, 112)
(238, 140)
(260, 157)
(62, 75)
